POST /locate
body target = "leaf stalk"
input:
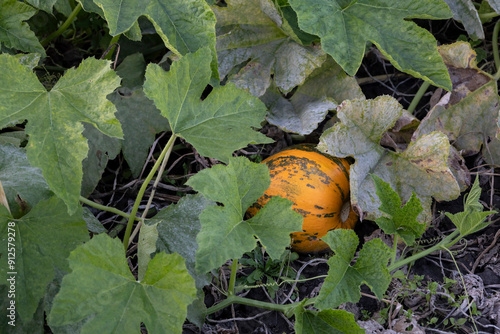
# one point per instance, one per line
(105, 208)
(446, 242)
(420, 93)
(250, 302)
(143, 188)
(63, 27)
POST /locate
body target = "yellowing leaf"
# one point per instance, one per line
(54, 118)
(250, 32)
(469, 114)
(422, 168)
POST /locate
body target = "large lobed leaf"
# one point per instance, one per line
(216, 126)
(224, 233)
(343, 281)
(184, 25)
(252, 33)
(102, 292)
(43, 240)
(14, 33)
(346, 25)
(422, 168)
(56, 145)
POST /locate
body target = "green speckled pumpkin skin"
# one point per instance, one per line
(318, 185)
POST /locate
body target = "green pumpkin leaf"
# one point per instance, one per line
(423, 168)
(119, 303)
(343, 281)
(43, 240)
(224, 233)
(326, 321)
(346, 25)
(184, 25)
(218, 125)
(472, 218)
(401, 220)
(54, 117)
(14, 33)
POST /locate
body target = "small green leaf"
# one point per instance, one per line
(14, 33)
(344, 281)
(346, 25)
(326, 321)
(56, 145)
(402, 220)
(216, 126)
(224, 234)
(43, 240)
(102, 292)
(472, 218)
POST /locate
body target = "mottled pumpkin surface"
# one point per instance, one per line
(318, 185)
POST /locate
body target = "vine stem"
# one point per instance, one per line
(450, 240)
(232, 278)
(421, 91)
(394, 249)
(63, 27)
(446, 242)
(142, 190)
(490, 15)
(150, 200)
(496, 56)
(250, 302)
(105, 208)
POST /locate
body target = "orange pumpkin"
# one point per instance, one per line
(318, 186)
